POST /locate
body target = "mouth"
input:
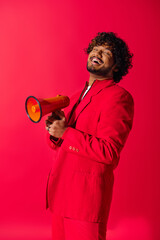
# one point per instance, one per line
(96, 60)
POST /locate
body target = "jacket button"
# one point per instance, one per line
(77, 149)
(70, 147)
(74, 149)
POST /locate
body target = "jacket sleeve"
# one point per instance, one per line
(53, 142)
(115, 123)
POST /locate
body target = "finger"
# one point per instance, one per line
(52, 132)
(55, 125)
(47, 128)
(58, 123)
(48, 123)
(51, 118)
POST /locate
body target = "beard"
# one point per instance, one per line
(103, 71)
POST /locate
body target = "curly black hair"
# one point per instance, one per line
(121, 54)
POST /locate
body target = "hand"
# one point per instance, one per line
(52, 118)
(56, 124)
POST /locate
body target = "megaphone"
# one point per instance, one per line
(36, 108)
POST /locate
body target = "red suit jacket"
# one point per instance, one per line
(81, 180)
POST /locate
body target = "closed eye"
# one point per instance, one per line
(107, 53)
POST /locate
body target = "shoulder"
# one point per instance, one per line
(116, 92)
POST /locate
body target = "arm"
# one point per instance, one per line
(113, 128)
(55, 142)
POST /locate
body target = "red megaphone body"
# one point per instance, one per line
(37, 108)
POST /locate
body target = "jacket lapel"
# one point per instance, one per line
(75, 104)
(97, 86)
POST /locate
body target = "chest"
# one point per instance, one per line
(86, 115)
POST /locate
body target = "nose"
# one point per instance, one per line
(100, 52)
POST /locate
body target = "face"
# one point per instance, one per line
(100, 61)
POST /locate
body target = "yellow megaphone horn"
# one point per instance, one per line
(36, 108)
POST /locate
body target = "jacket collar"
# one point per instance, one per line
(98, 85)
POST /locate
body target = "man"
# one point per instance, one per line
(87, 139)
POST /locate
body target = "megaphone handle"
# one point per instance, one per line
(55, 116)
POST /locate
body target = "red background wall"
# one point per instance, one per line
(41, 54)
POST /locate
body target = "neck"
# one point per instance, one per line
(93, 77)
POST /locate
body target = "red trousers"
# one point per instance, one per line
(69, 229)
